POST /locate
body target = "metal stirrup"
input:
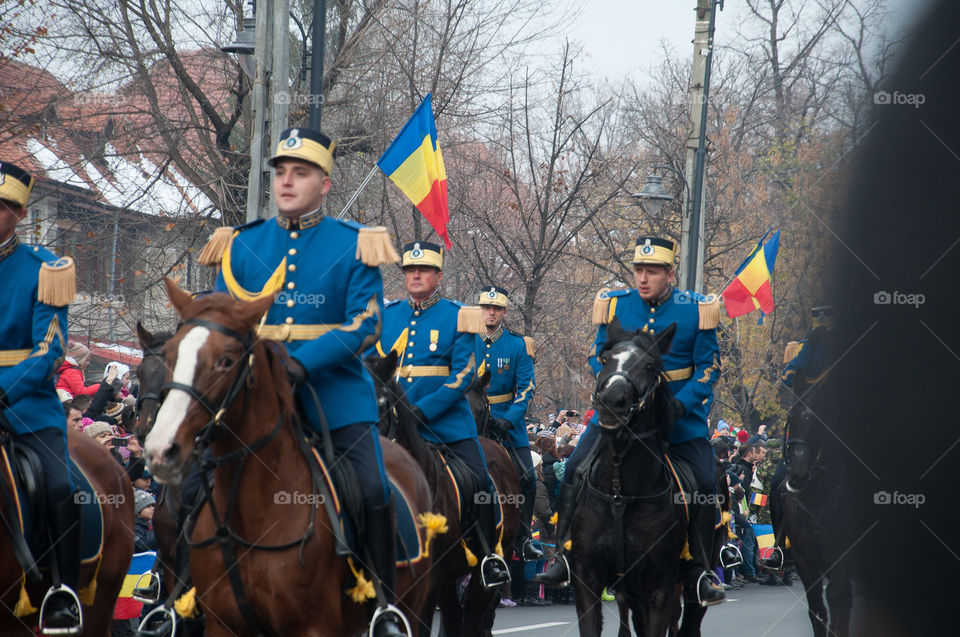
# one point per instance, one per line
(493, 557)
(74, 630)
(150, 575)
(716, 582)
(389, 609)
(162, 610)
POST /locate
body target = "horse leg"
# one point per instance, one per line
(692, 618)
(839, 600)
(588, 588)
(813, 583)
(426, 615)
(624, 609)
(479, 608)
(451, 613)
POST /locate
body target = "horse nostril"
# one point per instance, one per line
(172, 452)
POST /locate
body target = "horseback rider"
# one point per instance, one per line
(329, 299)
(811, 359)
(509, 359)
(33, 334)
(692, 366)
(434, 338)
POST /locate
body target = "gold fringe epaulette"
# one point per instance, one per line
(470, 320)
(531, 345)
(601, 308)
(374, 247)
(57, 283)
(793, 348)
(709, 312)
(212, 253)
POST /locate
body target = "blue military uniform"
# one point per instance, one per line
(33, 333)
(809, 355)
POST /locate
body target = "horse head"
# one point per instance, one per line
(479, 405)
(382, 369)
(209, 363)
(152, 373)
(628, 382)
(803, 445)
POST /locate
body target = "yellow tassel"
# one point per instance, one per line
(23, 606)
(499, 549)
(57, 283)
(87, 594)
(786, 542)
(531, 346)
(471, 558)
(212, 253)
(724, 519)
(554, 518)
(186, 604)
(364, 587)
(709, 312)
(731, 535)
(374, 247)
(685, 553)
(601, 308)
(470, 320)
(434, 523)
(568, 545)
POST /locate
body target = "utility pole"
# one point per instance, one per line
(316, 62)
(263, 56)
(691, 244)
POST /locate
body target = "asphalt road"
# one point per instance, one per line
(753, 611)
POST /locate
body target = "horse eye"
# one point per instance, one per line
(224, 363)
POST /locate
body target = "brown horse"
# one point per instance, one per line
(282, 556)
(116, 504)
(473, 615)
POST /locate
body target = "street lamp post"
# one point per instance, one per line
(316, 62)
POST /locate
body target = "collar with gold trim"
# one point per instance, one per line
(9, 247)
(663, 299)
(492, 338)
(302, 222)
(424, 305)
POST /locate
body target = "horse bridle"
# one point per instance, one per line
(635, 408)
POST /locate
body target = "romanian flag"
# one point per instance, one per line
(750, 289)
(414, 162)
(127, 607)
(764, 533)
(760, 499)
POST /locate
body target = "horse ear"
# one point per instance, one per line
(249, 314)
(390, 362)
(484, 380)
(614, 330)
(178, 298)
(143, 335)
(665, 338)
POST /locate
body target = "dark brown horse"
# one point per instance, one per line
(473, 615)
(116, 504)
(283, 555)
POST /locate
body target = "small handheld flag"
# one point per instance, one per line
(759, 499)
(415, 164)
(750, 288)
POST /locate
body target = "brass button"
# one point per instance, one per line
(291, 285)
(291, 303)
(413, 322)
(413, 332)
(289, 320)
(292, 267)
(292, 251)
(409, 355)
(652, 310)
(411, 343)
(294, 235)
(409, 380)
(416, 313)
(651, 320)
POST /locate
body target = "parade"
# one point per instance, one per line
(430, 382)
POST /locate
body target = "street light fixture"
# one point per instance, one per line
(653, 196)
(244, 46)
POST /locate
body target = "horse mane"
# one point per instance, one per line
(407, 436)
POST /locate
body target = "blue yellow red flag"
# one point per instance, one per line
(415, 164)
(750, 288)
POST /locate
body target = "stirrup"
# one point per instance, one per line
(389, 609)
(523, 551)
(138, 591)
(493, 557)
(716, 581)
(161, 631)
(775, 560)
(566, 569)
(71, 630)
(730, 556)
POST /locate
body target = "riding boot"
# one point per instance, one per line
(529, 552)
(493, 569)
(558, 574)
(60, 612)
(699, 582)
(380, 542)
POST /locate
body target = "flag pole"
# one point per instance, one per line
(356, 195)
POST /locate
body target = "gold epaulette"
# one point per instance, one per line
(793, 348)
(601, 308)
(709, 312)
(374, 247)
(531, 346)
(57, 283)
(470, 320)
(212, 253)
